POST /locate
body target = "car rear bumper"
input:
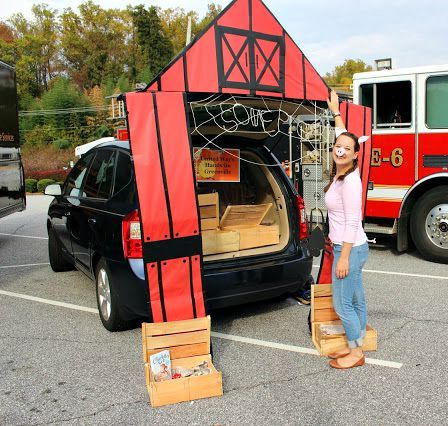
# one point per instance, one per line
(222, 287)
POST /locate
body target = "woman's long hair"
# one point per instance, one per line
(357, 147)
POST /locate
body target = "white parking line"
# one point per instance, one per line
(49, 302)
(298, 349)
(21, 266)
(241, 339)
(403, 274)
(24, 236)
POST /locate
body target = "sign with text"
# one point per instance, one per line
(213, 165)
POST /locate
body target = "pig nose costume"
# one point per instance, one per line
(340, 152)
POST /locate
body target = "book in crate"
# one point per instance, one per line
(188, 343)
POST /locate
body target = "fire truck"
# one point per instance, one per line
(408, 184)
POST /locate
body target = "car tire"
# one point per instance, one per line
(107, 300)
(429, 225)
(57, 260)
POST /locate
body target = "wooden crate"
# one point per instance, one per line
(216, 241)
(259, 236)
(209, 210)
(244, 216)
(322, 313)
(189, 345)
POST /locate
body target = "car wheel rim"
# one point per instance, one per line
(437, 226)
(104, 300)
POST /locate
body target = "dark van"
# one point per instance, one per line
(12, 180)
(93, 225)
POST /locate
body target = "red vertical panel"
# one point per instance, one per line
(325, 275)
(173, 78)
(202, 66)
(176, 289)
(316, 89)
(358, 120)
(145, 152)
(293, 70)
(367, 156)
(263, 21)
(178, 163)
(154, 292)
(197, 286)
(237, 16)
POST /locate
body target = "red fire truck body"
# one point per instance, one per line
(408, 184)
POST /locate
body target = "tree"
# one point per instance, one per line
(95, 43)
(153, 43)
(175, 23)
(342, 75)
(6, 33)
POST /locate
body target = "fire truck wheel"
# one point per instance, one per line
(107, 299)
(429, 225)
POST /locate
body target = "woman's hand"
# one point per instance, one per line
(333, 102)
(342, 268)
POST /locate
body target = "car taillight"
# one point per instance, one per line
(132, 237)
(303, 225)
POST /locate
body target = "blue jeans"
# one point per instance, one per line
(348, 295)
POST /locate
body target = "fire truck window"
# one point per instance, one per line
(394, 105)
(366, 95)
(437, 102)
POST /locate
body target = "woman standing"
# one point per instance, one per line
(343, 197)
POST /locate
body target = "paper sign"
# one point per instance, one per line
(212, 165)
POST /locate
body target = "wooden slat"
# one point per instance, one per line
(162, 342)
(211, 223)
(328, 314)
(207, 212)
(208, 199)
(217, 241)
(323, 302)
(182, 351)
(244, 215)
(162, 328)
(322, 290)
(259, 236)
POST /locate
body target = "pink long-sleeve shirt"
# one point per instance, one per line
(344, 203)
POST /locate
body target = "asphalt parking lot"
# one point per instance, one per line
(59, 365)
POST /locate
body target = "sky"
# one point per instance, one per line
(411, 32)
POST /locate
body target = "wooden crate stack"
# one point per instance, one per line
(323, 313)
(239, 229)
(189, 344)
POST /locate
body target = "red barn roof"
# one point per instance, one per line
(244, 50)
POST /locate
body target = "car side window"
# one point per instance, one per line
(99, 179)
(123, 173)
(75, 178)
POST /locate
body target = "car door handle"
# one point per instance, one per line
(91, 221)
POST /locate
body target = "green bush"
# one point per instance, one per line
(30, 185)
(61, 144)
(43, 183)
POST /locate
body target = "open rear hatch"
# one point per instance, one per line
(248, 217)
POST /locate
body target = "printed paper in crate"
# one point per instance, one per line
(161, 366)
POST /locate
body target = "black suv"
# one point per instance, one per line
(93, 220)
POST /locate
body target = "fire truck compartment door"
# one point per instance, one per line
(163, 164)
(358, 120)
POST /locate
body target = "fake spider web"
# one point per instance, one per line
(227, 115)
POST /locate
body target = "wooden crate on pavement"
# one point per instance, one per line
(189, 344)
(323, 314)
